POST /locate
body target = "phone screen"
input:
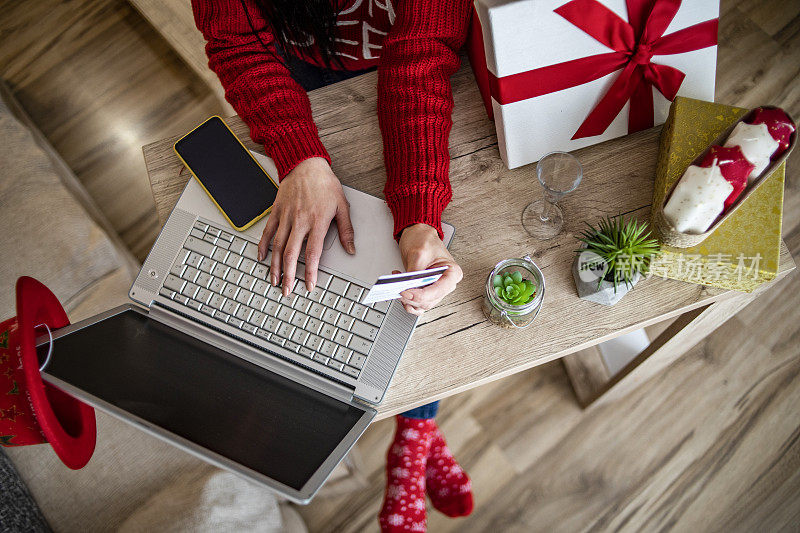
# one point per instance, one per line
(228, 172)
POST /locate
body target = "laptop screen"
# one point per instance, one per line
(218, 401)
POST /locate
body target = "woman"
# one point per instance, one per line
(414, 46)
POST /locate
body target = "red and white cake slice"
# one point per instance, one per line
(779, 125)
(697, 199)
(734, 167)
(756, 143)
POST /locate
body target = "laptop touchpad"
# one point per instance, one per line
(331, 236)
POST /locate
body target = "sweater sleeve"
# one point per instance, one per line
(257, 83)
(415, 105)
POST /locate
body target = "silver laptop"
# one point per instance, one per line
(213, 359)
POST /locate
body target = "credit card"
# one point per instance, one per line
(389, 287)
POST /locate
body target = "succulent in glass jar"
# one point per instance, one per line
(513, 289)
(513, 293)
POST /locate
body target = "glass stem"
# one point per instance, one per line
(547, 212)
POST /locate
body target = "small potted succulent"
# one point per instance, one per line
(612, 258)
(514, 293)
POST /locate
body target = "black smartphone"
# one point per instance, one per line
(228, 172)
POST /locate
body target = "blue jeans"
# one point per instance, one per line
(312, 77)
(425, 411)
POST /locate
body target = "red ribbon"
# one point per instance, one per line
(634, 43)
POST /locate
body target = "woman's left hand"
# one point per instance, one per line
(421, 248)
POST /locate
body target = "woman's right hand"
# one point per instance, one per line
(309, 197)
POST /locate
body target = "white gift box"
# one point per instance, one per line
(520, 36)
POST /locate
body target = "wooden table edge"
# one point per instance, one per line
(594, 386)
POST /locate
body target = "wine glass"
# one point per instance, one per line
(559, 173)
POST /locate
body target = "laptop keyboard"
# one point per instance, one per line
(217, 274)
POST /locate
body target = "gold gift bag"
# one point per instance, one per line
(744, 251)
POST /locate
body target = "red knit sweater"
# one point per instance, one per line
(414, 45)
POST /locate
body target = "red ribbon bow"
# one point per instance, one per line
(634, 44)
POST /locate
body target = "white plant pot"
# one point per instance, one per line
(604, 294)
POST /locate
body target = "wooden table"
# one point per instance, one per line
(454, 348)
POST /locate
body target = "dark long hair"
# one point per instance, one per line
(301, 21)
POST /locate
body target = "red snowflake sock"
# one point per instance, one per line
(447, 484)
(403, 507)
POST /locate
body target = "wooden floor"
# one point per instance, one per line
(100, 82)
(711, 444)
